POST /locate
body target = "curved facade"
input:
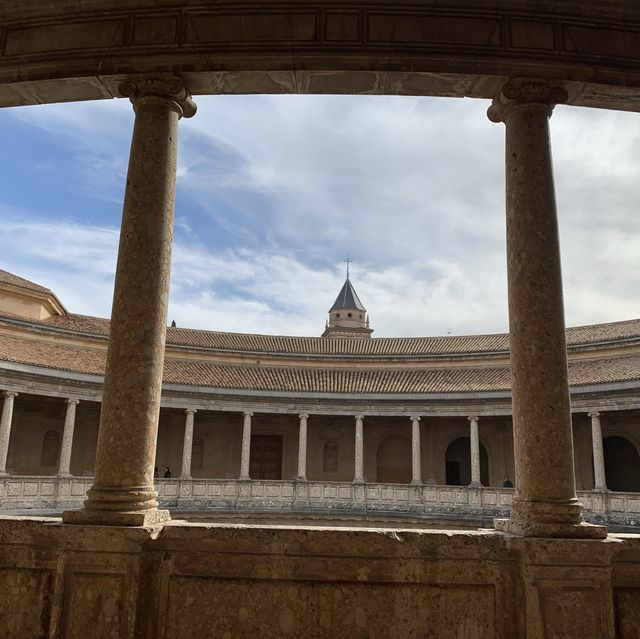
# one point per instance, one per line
(420, 404)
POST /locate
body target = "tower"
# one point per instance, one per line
(347, 317)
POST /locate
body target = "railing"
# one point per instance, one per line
(53, 493)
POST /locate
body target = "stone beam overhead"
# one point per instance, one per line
(55, 52)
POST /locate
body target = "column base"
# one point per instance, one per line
(475, 484)
(550, 530)
(64, 475)
(145, 518)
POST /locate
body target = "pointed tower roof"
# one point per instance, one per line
(348, 298)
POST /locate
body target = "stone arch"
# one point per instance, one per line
(197, 454)
(458, 463)
(50, 448)
(394, 460)
(622, 464)
(330, 457)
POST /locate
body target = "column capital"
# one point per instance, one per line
(9, 393)
(166, 87)
(191, 411)
(71, 400)
(303, 416)
(526, 92)
(247, 413)
(473, 418)
(359, 417)
(414, 418)
(593, 413)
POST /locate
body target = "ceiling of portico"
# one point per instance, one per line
(55, 52)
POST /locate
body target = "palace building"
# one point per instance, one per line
(252, 422)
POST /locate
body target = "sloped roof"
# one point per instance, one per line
(348, 298)
(14, 280)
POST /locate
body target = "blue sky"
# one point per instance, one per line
(274, 190)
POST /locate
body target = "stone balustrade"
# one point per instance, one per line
(55, 493)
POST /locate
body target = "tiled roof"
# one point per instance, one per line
(14, 280)
(436, 379)
(374, 347)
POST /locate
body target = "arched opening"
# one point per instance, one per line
(394, 461)
(50, 447)
(458, 463)
(197, 454)
(330, 458)
(621, 464)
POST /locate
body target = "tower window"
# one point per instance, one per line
(337, 314)
(348, 314)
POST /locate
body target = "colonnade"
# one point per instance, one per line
(301, 475)
(545, 502)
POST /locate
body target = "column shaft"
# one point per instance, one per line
(123, 491)
(599, 475)
(245, 458)
(302, 448)
(359, 452)
(416, 469)
(475, 452)
(545, 502)
(187, 445)
(5, 429)
(64, 466)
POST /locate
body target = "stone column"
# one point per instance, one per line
(67, 439)
(5, 429)
(302, 448)
(545, 503)
(187, 445)
(123, 491)
(359, 453)
(416, 470)
(599, 476)
(475, 452)
(245, 457)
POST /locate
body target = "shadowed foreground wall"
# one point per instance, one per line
(225, 581)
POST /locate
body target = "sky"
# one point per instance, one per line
(273, 191)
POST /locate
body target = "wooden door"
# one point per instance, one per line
(266, 457)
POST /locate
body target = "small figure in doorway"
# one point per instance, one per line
(507, 483)
(167, 473)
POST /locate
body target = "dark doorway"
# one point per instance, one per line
(621, 464)
(458, 463)
(266, 457)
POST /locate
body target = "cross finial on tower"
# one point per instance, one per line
(347, 262)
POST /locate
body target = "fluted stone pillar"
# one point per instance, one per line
(302, 448)
(64, 466)
(599, 475)
(416, 470)
(474, 439)
(358, 477)
(245, 455)
(123, 491)
(545, 503)
(5, 429)
(187, 444)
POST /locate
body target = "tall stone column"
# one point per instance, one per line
(187, 445)
(359, 452)
(545, 503)
(475, 452)
(5, 429)
(64, 467)
(416, 470)
(245, 456)
(302, 448)
(123, 491)
(599, 475)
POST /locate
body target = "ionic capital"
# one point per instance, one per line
(163, 87)
(248, 414)
(414, 418)
(594, 414)
(190, 411)
(526, 93)
(72, 401)
(359, 418)
(9, 393)
(303, 416)
(473, 418)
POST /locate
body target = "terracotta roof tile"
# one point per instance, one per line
(14, 280)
